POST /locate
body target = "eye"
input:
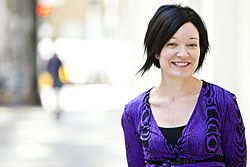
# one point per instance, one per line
(172, 44)
(192, 45)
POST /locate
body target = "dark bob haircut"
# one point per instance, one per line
(164, 24)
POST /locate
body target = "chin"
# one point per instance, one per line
(183, 75)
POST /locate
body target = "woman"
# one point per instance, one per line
(183, 121)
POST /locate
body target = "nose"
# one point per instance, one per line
(182, 51)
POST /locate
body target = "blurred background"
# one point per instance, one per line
(67, 68)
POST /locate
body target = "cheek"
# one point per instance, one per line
(164, 58)
(167, 54)
(196, 55)
(196, 59)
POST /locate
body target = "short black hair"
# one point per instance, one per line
(164, 24)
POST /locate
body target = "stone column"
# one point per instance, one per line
(18, 53)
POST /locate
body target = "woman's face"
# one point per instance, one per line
(180, 55)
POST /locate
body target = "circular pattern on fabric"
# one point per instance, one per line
(211, 142)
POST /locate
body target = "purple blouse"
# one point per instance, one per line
(215, 128)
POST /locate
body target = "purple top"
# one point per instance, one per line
(215, 128)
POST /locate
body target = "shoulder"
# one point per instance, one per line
(210, 89)
(222, 103)
(222, 98)
(134, 107)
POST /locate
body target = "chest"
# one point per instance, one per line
(172, 113)
(197, 139)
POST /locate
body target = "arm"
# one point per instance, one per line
(134, 151)
(233, 136)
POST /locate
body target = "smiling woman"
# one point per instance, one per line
(183, 121)
(180, 56)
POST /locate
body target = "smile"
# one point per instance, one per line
(181, 64)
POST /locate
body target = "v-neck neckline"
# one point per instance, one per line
(189, 120)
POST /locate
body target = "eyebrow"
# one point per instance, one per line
(194, 38)
(189, 38)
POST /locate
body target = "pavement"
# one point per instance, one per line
(31, 136)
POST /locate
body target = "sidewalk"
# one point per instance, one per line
(31, 137)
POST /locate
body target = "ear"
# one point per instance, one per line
(157, 56)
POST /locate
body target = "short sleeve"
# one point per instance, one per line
(135, 157)
(233, 134)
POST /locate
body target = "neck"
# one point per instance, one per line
(174, 88)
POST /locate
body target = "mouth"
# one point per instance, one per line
(181, 64)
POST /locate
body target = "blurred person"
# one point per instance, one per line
(183, 121)
(54, 66)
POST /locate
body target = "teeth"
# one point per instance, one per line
(181, 64)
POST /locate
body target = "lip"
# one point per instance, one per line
(181, 63)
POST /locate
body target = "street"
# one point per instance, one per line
(32, 137)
